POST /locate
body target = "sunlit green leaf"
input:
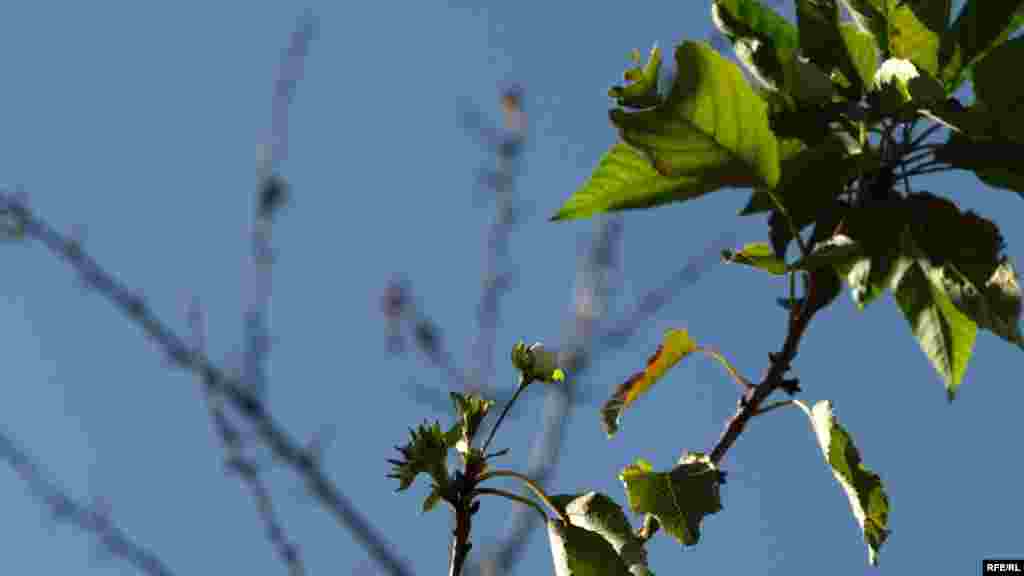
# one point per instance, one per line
(679, 498)
(862, 51)
(713, 125)
(912, 39)
(711, 132)
(624, 179)
(863, 488)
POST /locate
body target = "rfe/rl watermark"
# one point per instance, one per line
(1004, 567)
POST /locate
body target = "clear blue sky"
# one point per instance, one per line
(136, 125)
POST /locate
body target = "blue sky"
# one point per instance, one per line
(135, 128)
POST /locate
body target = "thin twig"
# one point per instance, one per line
(929, 168)
(537, 491)
(922, 153)
(773, 405)
(516, 497)
(924, 135)
(523, 383)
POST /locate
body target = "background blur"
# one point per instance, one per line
(134, 127)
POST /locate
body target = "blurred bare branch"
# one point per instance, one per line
(232, 440)
(495, 276)
(217, 382)
(400, 312)
(93, 519)
(271, 194)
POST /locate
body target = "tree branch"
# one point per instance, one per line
(750, 402)
(251, 407)
(83, 517)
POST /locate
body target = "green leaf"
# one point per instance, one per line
(944, 333)
(862, 52)
(675, 346)
(821, 32)
(426, 453)
(980, 26)
(811, 179)
(641, 89)
(913, 39)
(870, 16)
(932, 13)
(862, 290)
(711, 132)
(759, 255)
(712, 126)
(990, 74)
(679, 498)
(877, 230)
(994, 305)
(600, 514)
(863, 488)
(624, 179)
(577, 551)
(470, 410)
(996, 162)
(767, 45)
(926, 91)
(789, 149)
(867, 276)
(989, 142)
(903, 30)
(969, 266)
(818, 24)
(823, 286)
(839, 251)
(765, 42)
